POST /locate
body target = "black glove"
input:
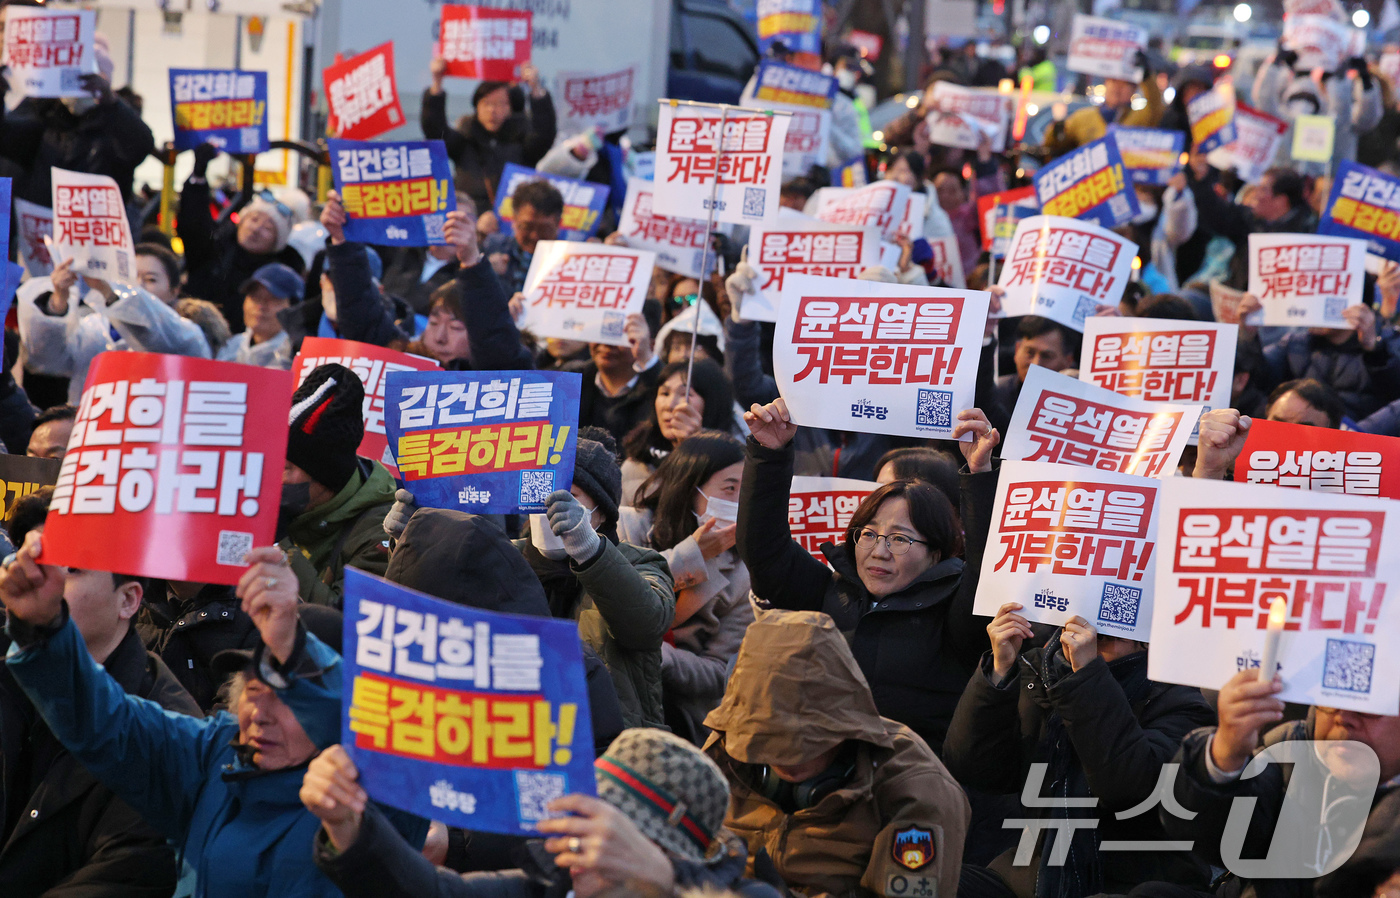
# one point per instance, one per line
(1286, 58)
(203, 155)
(1140, 61)
(1362, 71)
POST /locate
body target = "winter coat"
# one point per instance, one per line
(1175, 226)
(347, 530)
(796, 693)
(187, 635)
(1354, 105)
(1364, 381)
(403, 277)
(615, 414)
(695, 661)
(1104, 731)
(916, 647)
(243, 831)
(1087, 124)
(275, 353)
(1235, 223)
(40, 134)
(480, 155)
(66, 834)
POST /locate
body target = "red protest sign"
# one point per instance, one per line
(363, 95)
(985, 204)
(165, 476)
(820, 509)
(371, 364)
(490, 44)
(1319, 458)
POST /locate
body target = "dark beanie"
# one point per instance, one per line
(596, 470)
(466, 559)
(327, 424)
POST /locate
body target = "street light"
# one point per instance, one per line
(1361, 18)
(1243, 12)
(1041, 33)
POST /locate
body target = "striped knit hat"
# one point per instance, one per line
(674, 794)
(326, 425)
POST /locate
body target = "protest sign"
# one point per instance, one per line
(395, 193)
(1106, 48)
(867, 43)
(1304, 280)
(911, 227)
(585, 291)
(48, 51)
(965, 116)
(804, 247)
(1230, 549)
(21, 475)
(797, 23)
(820, 509)
(1069, 541)
(877, 358)
(1063, 269)
(1089, 184)
(90, 226)
(219, 106)
(1212, 118)
(1364, 203)
(748, 160)
(1257, 136)
(947, 262)
(595, 100)
(851, 173)
(881, 206)
(1225, 304)
(1023, 197)
(1313, 136)
(165, 474)
(1062, 420)
(474, 718)
(1320, 41)
(363, 95)
(479, 42)
(486, 442)
(1150, 155)
(584, 201)
(677, 242)
(34, 223)
(371, 364)
(1319, 458)
(808, 96)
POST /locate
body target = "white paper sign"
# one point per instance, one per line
(49, 50)
(1319, 41)
(882, 205)
(804, 247)
(1252, 152)
(677, 242)
(947, 262)
(1105, 48)
(912, 227)
(1069, 541)
(820, 509)
(1064, 269)
(1060, 420)
(1306, 280)
(1229, 549)
(588, 100)
(749, 164)
(843, 347)
(34, 223)
(1225, 305)
(90, 226)
(585, 291)
(963, 116)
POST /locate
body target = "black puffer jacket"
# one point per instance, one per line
(480, 156)
(39, 135)
(188, 634)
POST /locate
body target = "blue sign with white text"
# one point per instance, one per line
(1090, 184)
(1151, 155)
(1365, 204)
(227, 108)
(395, 193)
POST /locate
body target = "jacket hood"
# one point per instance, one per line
(796, 692)
(373, 486)
(466, 559)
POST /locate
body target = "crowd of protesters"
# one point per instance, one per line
(797, 728)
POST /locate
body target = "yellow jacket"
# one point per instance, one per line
(1086, 125)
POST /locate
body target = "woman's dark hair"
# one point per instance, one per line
(1314, 393)
(929, 511)
(646, 444)
(1166, 306)
(915, 160)
(29, 511)
(670, 491)
(707, 342)
(167, 259)
(923, 463)
(672, 307)
(448, 297)
(486, 88)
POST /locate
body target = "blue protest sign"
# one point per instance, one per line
(219, 106)
(1212, 119)
(395, 193)
(1151, 155)
(470, 717)
(1364, 203)
(584, 201)
(487, 442)
(797, 23)
(1090, 184)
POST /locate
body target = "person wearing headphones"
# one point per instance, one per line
(829, 795)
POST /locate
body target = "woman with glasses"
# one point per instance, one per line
(896, 585)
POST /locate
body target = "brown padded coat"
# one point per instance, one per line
(796, 692)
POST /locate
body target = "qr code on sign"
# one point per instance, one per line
(1333, 307)
(433, 225)
(1119, 605)
(534, 791)
(613, 324)
(248, 140)
(935, 409)
(1348, 665)
(754, 200)
(1119, 208)
(1084, 307)
(123, 265)
(70, 79)
(234, 547)
(535, 486)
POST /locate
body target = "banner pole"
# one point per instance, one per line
(705, 249)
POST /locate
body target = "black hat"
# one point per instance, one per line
(596, 470)
(327, 423)
(325, 622)
(466, 559)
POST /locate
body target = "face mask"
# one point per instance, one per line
(847, 79)
(722, 510)
(1148, 213)
(295, 499)
(542, 537)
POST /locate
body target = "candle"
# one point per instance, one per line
(1278, 613)
(1137, 269)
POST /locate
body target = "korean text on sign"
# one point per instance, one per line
(1089, 184)
(494, 442)
(880, 206)
(49, 50)
(1159, 360)
(225, 108)
(21, 475)
(363, 98)
(797, 23)
(1257, 136)
(1303, 280)
(744, 169)
(792, 85)
(1151, 155)
(1321, 459)
(853, 346)
(801, 247)
(584, 201)
(1364, 203)
(585, 291)
(820, 509)
(1230, 549)
(34, 223)
(1063, 269)
(478, 42)
(1072, 540)
(166, 475)
(1212, 118)
(965, 116)
(677, 242)
(596, 100)
(91, 227)
(372, 365)
(1106, 48)
(1062, 420)
(395, 194)
(465, 716)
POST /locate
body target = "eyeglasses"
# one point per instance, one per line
(897, 543)
(282, 207)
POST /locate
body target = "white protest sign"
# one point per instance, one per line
(804, 247)
(1225, 304)
(90, 226)
(1257, 137)
(882, 205)
(844, 345)
(601, 100)
(1064, 269)
(820, 509)
(1061, 420)
(1105, 48)
(1069, 541)
(748, 163)
(1313, 137)
(34, 223)
(1306, 280)
(677, 242)
(912, 227)
(947, 262)
(585, 291)
(49, 50)
(1320, 41)
(1230, 549)
(963, 116)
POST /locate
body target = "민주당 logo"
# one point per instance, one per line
(913, 848)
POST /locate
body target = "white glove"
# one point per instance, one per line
(739, 283)
(396, 521)
(562, 161)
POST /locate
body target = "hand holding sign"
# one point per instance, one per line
(32, 592)
(460, 233)
(600, 845)
(333, 218)
(1008, 631)
(1247, 706)
(1080, 642)
(985, 438)
(1361, 319)
(269, 592)
(770, 424)
(330, 791)
(1222, 435)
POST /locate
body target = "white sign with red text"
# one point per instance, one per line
(601, 100)
(585, 291)
(91, 228)
(1064, 269)
(748, 163)
(804, 247)
(1257, 137)
(883, 205)
(1106, 48)
(49, 50)
(1306, 280)
(947, 262)
(820, 509)
(845, 346)
(965, 116)
(34, 223)
(677, 242)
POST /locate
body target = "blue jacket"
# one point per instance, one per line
(244, 832)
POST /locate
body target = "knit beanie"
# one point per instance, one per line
(596, 470)
(673, 793)
(282, 222)
(327, 424)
